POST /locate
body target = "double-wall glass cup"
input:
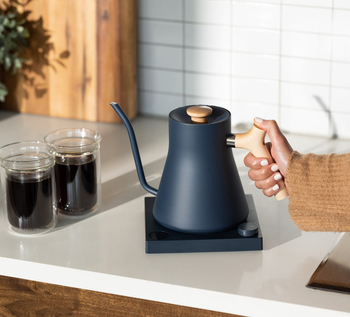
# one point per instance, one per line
(77, 170)
(28, 187)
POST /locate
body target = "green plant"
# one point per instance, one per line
(13, 39)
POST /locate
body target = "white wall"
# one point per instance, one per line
(283, 59)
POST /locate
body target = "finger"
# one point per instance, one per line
(268, 182)
(280, 149)
(254, 162)
(262, 173)
(278, 140)
(271, 127)
(271, 191)
(268, 146)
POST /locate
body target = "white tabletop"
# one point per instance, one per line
(106, 251)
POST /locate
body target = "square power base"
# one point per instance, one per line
(162, 240)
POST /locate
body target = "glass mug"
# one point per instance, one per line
(77, 170)
(28, 187)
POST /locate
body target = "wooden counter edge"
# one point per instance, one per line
(19, 297)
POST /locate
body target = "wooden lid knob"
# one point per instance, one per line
(199, 114)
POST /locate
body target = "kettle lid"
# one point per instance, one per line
(202, 114)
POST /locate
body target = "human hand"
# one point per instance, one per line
(266, 174)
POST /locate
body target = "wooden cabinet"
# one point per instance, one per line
(28, 298)
(84, 56)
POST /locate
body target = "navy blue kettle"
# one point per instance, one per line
(200, 190)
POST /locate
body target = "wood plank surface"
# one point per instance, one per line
(118, 85)
(84, 56)
(23, 298)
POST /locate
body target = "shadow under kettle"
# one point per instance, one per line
(200, 190)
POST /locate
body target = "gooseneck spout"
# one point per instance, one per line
(135, 149)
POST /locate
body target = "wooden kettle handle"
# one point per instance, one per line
(254, 141)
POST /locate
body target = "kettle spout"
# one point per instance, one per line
(135, 149)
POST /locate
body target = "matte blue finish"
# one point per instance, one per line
(135, 149)
(200, 190)
(200, 169)
(163, 240)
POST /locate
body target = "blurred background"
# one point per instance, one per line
(287, 60)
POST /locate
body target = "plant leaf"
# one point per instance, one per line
(19, 28)
(7, 63)
(25, 33)
(11, 15)
(3, 92)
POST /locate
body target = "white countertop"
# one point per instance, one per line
(106, 251)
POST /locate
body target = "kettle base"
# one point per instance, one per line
(163, 240)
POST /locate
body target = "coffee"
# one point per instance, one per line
(29, 201)
(77, 170)
(76, 183)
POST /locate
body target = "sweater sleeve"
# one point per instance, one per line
(319, 191)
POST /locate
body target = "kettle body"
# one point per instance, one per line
(200, 190)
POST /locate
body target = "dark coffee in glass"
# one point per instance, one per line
(77, 170)
(28, 187)
(29, 200)
(76, 183)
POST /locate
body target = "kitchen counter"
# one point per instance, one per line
(105, 252)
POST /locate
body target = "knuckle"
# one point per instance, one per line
(258, 185)
(267, 193)
(250, 175)
(246, 161)
(265, 172)
(272, 125)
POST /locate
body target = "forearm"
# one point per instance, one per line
(319, 191)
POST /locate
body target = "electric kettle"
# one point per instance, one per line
(200, 190)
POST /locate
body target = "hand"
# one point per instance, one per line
(267, 174)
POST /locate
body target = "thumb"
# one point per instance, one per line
(272, 129)
(280, 147)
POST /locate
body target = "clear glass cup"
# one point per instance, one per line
(77, 170)
(28, 187)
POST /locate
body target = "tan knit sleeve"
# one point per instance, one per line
(319, 191)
